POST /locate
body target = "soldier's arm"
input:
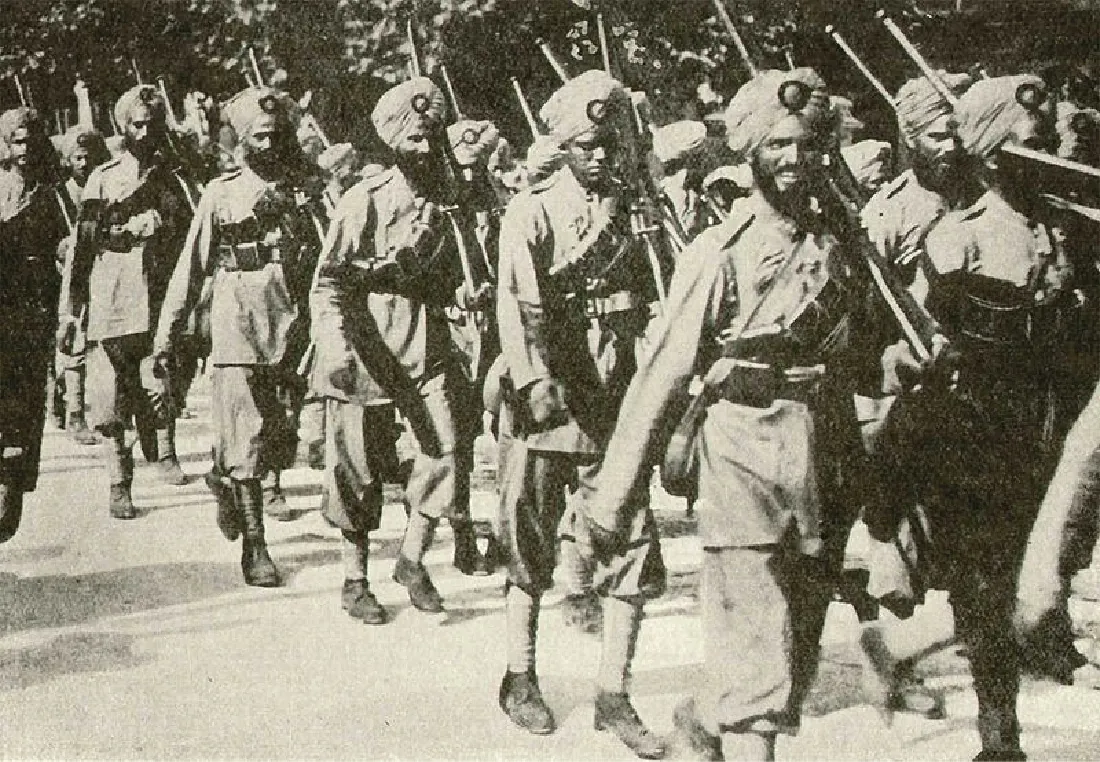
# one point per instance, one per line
(520, 316)
(664, 371)
(192, 268)
(333, 290)
(74, 287)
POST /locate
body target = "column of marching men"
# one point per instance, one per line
(810, 347)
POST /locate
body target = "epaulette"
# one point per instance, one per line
(109, 164)
(229, 174)
(971, 212)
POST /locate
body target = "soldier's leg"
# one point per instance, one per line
(243, 399)
(312, 431)
(168, 464)
(353, 495)
(747, 624)
(624, 581)
(430, 493)
(76, 423)
(982, 599)
(532, 501)
(114, 384)
(22, 376)
(580, 606)
(468, 559)
(55, 396)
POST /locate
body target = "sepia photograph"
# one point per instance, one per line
(550, 380)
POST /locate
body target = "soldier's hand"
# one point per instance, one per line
(162, 365)
(902, 371)
(66, 334)
(343, 376)
(546, 401)
(606, 543)
(481, 298)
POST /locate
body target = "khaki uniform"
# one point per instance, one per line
(129, 237)
(995, 283)
(586, 340)
(31, 227)
(758, 455)
(375, 350)
(260, 271)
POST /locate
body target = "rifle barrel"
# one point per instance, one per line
(450, 90)
(414, 51)
(926, 69)
(605, 51)
(863, 68)
(555, 64)
(743, 51)
(525, 107)
(255, 67)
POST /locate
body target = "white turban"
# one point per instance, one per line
(677, 140)
(919, 104)
(569, 112)
(139, 95)
(756, 108)
(416, 104)
(989, 111)
(472, 141)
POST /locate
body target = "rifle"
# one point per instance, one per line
(1077, 185)
(640, 184)
(525, 107)
(742, 51)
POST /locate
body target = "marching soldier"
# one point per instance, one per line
(255, 234)
(754, 305)
(997, 280)
(83, 149)
(573, 301)
(386, 273)
(341, 164)
(473, 143)
(134, 216)
(899, 216)
(898, 219)
(32, 225)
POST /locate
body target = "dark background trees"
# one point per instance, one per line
(348, 51)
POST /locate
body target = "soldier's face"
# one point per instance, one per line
(80, 161)
(144, 130)
(17, 145)
(414, 144)
(590, 158)
(937, 152)
(785, 161)
(261, 138)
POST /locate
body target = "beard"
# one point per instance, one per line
(943, 174)
(143, 149)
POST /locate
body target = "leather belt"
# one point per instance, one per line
(765, 389)
(620, 301)
(246, 257)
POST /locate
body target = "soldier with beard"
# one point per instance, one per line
(32, 225)
(759, 305)
(571, 308)
(387, 271)
(134, 216)
(255, 235)
(83, 149)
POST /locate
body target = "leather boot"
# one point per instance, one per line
(168, 465)
(122, 476)
(76, 424)
(275, 504)
(614, 712)
(77, 427)
(11, 511)
(468, 559)
(360, 603)
(522, 701)
(583, 612)
(415, 578)
(229, 517)
(1000, 734)
(256, 564)
(690, 738)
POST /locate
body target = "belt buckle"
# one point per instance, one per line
(247, 255)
